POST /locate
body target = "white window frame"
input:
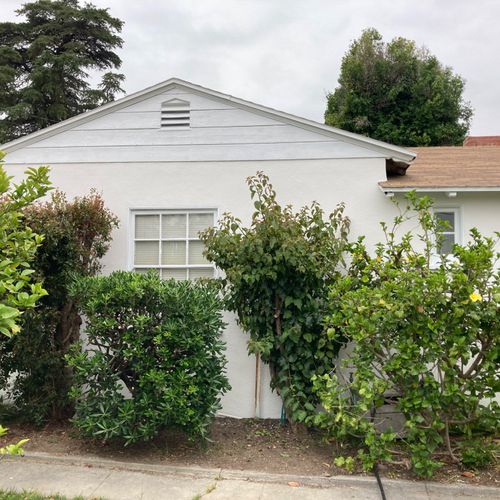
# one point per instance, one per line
(457, 232)
(168, 211)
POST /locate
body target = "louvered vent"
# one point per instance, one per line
(175, 114)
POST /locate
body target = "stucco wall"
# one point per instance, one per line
(480, 210)
(135, 163)
(222, 185)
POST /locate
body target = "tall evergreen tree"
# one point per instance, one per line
(398, 93)
(45, 61)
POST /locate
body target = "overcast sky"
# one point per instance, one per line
(287, 53)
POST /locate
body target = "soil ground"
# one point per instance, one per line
(243, 444)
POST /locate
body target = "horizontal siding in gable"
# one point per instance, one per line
(199, 118)
(193, 136)
(196, 102)
(218, 131)
(198, 153)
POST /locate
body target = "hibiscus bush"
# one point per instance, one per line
(155, 357)
(425, 334)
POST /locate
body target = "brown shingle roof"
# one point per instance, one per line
(482, 140)
(450, 167)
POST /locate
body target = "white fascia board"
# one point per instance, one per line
(388, 150)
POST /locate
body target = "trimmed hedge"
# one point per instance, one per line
(155, 357)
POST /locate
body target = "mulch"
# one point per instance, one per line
(241, 444)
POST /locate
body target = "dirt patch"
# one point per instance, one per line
(246, 444)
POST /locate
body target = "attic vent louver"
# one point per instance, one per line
(175, 114)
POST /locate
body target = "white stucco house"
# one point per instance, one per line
(173, 157)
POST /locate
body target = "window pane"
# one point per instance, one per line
(173, 252)
(178, 274)
(448, 217)
(446, 243)
(173, 226)
(147, 252)
(196, 253)
(199, 222)
(147, 227)
(201, 272)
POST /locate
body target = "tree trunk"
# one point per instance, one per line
(67, 333)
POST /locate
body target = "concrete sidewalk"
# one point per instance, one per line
(94, 478)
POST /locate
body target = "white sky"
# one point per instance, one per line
(287, 53)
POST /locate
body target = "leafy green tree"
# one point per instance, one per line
(398, 93)
(425, 334)
(45, 60)
(277, 273)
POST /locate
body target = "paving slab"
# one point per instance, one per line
(241, 490)
(114, 480)
(126, 485)
(51, 478)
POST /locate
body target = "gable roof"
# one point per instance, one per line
(388, 150)
(469, 168)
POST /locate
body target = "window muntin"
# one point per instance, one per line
(168, 242)
(449, 234)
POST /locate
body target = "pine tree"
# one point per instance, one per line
(45, 61)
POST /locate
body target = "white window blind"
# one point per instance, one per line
(168, 242)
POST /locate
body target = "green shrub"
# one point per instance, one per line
(478, 453)
(155, 358)
(19, 292)
(18, 245)
(76, 234)
(277, 273)
(428, 334)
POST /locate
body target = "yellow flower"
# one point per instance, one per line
(475, 297)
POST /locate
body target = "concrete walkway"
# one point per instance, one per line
(94, 478)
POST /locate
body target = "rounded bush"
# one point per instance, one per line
(154, 357)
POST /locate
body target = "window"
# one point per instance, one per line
(167, 241)
(450, 232)
(175, 114)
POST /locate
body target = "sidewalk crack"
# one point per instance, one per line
(101, 483)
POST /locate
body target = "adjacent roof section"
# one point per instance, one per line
(471, 168)
(482, 140)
